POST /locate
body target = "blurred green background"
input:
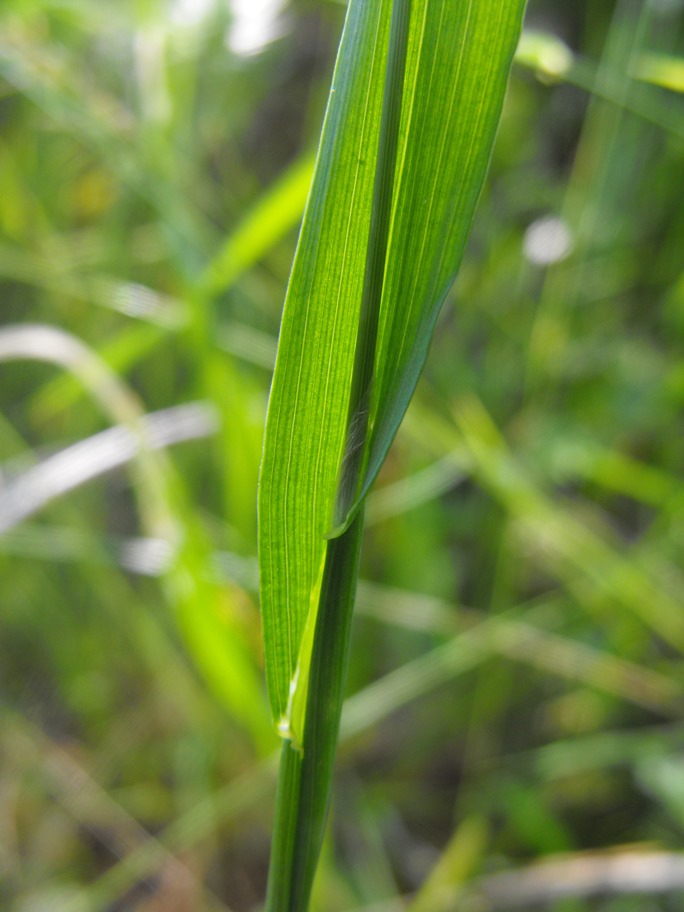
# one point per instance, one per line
(516, 679)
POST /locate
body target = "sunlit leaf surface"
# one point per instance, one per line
(456, 70)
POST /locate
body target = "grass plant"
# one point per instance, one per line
(512, 712)
(406, 141)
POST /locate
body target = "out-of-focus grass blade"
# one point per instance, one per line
(207, 611)
(661, 70)
(276, 212)
(551, 59)
(103, 124)
(588, 561)
(545, 53)
(85, 460)
(456, 70)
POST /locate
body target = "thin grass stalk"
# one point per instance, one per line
(305, 777)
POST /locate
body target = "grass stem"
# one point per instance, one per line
(305, 777)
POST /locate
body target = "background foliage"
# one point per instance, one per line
(516, 675)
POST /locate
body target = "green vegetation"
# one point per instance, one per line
(515, 689)
(378, 251)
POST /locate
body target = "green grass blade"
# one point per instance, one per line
(307, 417)
(358, 415)
(451, 113)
